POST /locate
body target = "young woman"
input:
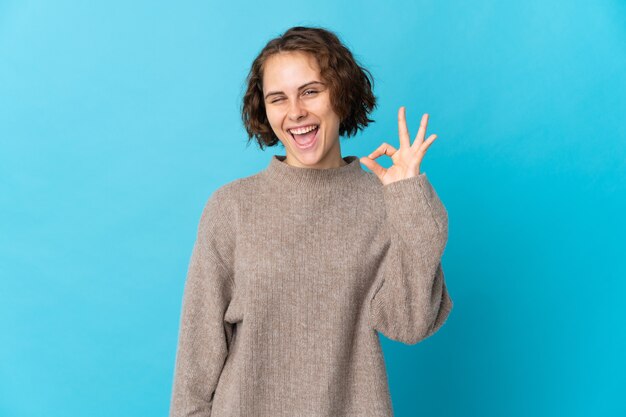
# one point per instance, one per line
(296, 268)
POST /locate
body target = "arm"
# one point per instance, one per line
(203, 335)
(411, 301)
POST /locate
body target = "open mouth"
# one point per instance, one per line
(307, 139)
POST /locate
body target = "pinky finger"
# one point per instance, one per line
(428, 142)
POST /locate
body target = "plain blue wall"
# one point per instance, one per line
(118, 120)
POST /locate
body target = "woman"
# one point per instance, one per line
(297, 267)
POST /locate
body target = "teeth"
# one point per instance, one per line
(302, 130)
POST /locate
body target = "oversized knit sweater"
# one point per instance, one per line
(293, 272)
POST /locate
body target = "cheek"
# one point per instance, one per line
(272, 119)
(332, 118)
(329, 113)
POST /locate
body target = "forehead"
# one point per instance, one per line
(288, 70)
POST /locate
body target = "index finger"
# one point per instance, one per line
(403, 131)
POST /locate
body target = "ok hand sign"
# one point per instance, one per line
(407, 159)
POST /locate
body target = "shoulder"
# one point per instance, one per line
(371, 180)
(224, 204)
(229, 195)
(218, 225)
(370, 185)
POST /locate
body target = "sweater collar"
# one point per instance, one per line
(280, 171)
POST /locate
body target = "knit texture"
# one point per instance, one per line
(293, 272)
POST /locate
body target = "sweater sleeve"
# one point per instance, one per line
(204, 336)
(410, 301)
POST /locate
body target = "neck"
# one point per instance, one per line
(307, 178)
(332, 160)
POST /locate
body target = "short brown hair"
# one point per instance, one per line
(350, 84)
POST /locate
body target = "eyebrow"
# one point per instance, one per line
(299, 88)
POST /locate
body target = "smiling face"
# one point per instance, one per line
(296, 96)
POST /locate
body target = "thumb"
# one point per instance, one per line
(373, 166)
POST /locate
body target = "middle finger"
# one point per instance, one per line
(421, 133)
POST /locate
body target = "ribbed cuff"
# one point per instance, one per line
(414, 202)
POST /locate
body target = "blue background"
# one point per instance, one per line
(118, 120)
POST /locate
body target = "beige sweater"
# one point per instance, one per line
(293, 272)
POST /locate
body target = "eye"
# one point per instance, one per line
(277, 100)
(310, 91)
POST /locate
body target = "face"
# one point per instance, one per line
(296, 97)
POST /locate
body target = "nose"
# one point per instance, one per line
(296, 111)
